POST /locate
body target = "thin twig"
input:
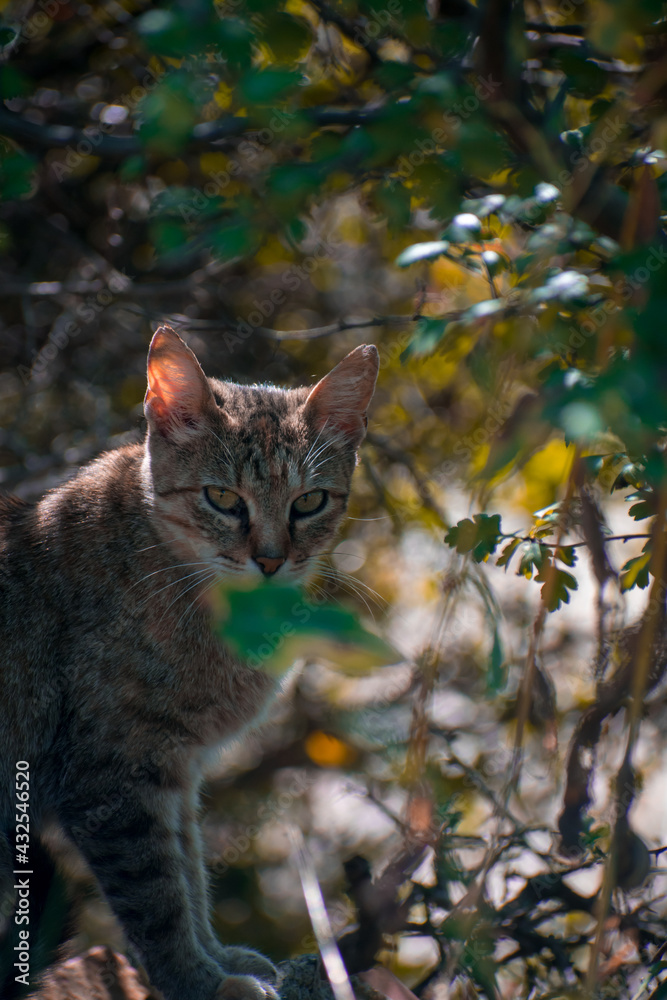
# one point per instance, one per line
(576, 545)
(526, 689)
(654, 616)
(326, 331)
(111, 147)
(336, 971)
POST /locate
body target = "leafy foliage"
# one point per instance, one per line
(481, 188)
(272, 627)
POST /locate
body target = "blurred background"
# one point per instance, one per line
(477, 188)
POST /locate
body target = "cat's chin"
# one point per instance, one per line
(252, 578)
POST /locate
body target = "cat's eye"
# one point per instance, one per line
(221, 498)
(309, 503)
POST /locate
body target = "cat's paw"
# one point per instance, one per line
(245, 988)
(245, 962)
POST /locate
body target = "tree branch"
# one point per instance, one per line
(119, 147)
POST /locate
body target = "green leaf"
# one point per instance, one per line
(568, 287)
(494, 262)
(507, 553)
(163, 31)
(635, 572)
(630, 475)
(488, 536)
(560, 593)
(546, 193)
(288, 38)
(422, 251)
(234, 38)
(429, 331)
(461, 536)
(483, 207)
(234, 239)
(464, 228)
(585, 79)
(393, 201)
(291, 185)
(641, 510)
(132, 168)
(548, 514)
(392, 75)
(16, 174)
(271, 626)
(534, 556)
(7, 34)
(480, 536)
(480, 310)
(167, 235)
(567, 554)
(13, 83)
(169, 115)
(268, 85)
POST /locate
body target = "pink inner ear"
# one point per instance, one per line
(341, 398)
(336, 407)
(177, 387)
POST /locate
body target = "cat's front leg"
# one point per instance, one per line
(137, 857)
(233, 960)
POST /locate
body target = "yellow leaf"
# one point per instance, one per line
(212, 163)
(223, 96)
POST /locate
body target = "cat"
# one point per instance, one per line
(114, 689)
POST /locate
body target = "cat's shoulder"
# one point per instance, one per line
(12, 506)
(12, 510)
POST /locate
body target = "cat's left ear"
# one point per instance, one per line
(341, 398)
(178, 393)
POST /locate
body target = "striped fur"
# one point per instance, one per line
(112, 685)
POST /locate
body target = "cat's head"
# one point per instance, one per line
(253, 480)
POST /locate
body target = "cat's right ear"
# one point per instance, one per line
(178, 393)
(339, 401)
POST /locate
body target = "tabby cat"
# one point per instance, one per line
(112, 685)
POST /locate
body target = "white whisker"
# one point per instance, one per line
(163, 569)
(203, 575)
(320, 451)
(331, 575)
(314, 444)
(342, 578)
(213, 580)
(384, 517)
(189, 576)
(155, 545)
(225, 447)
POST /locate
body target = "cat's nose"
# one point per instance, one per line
(267, 565)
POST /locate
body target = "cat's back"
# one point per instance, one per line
(56, 558)
(17, 543)
(13, 513)
(29, 706)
